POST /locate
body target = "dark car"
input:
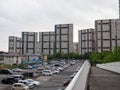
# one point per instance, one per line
(8, 80)
(28, 74)
(17, 77)
(66, 82)
(6, 71)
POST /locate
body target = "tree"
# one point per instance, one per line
(87, 55)
(95, 57)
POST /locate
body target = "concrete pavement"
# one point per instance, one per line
(114, 66)
(100, 79)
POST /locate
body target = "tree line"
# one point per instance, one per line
(94, 57)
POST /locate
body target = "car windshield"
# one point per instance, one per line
(27, 82)
(30, 80)
(46, 71)
(23, 85)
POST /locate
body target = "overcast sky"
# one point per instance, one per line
(17, 16)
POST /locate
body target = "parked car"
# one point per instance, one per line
(17, 70)
(66, 82)
(36, 83)
(47, 72)
(39, 70)
(72, 76)
(28, 74)
(19, 86)
(17, 77)
(29, 84)
(8, 80)
(6, 71)
(28, 67)
(55, 71)
(60, 68)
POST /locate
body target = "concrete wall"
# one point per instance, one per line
(80, 80)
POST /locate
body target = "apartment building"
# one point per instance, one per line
(86, 41)
(75, 47)
(64, 38)
(107, 34)
(47, 43)
(29, 42)
(15, 45)
(11, 58)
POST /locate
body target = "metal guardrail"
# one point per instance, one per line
(80, 80)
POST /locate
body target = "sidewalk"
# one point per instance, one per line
(100, 79)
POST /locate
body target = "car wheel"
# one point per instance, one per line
(34, 84)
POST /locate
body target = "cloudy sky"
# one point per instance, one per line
(17, 16)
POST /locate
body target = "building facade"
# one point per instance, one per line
(11, 59)
(86, 41)
(29, 42)
(64, 38)
(107, 34)
(46, 42)
(75, 47)
(15, 45)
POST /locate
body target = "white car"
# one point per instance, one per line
(47, 72)
(36, 83)
(19, 86)
(56, 71)
(30, 85)
(17, 70)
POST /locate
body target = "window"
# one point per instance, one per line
(15, 85)
(19, 85)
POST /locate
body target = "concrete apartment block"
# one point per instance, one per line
(64, 38)
(15, 45)
(75, 47)
(119, 9)
(86, 41)
(107, 34)
(29, 43)
(47, 43)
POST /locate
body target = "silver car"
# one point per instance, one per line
(30, 85)
(19, 86)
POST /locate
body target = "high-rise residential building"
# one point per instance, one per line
(119, 9)
(64, 38)
(47, 42)
(29, 42)
(86, 41)
(75, 47)
(107, 34)
(15, 45)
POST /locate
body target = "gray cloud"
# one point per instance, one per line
(41, 15)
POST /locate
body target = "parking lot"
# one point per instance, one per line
(53, 82)
(56, 81)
